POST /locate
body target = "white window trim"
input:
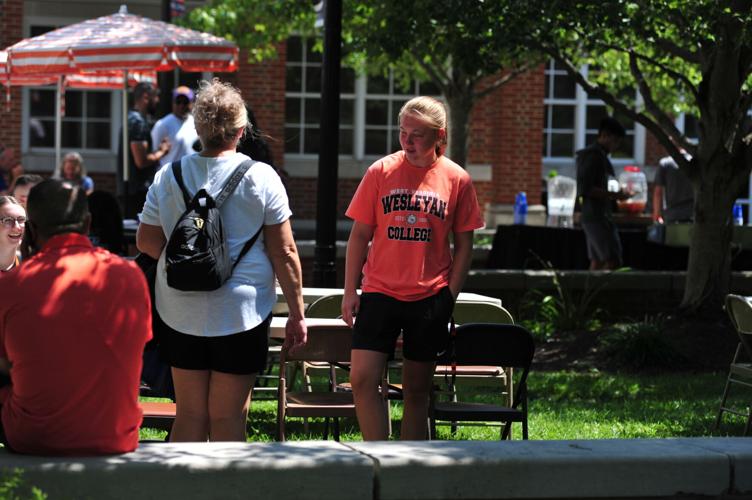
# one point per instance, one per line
(581, 102)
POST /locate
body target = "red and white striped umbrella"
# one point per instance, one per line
(85, 80)
(93, 52)
(119, 42)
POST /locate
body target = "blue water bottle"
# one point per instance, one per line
(738, 216)
(520, 208)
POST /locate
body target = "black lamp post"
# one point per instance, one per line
(325, 255)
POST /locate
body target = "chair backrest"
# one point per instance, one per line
(481, 312)
(328, 306)
(740, 311)
(325, 343)
(494, 344)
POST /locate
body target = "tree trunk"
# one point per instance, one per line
(460, 105)
(709, 266)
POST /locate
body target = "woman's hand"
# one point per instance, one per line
(350, 307)
(296, 334)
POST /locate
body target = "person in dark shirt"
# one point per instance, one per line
(254, 145)
(142, 162)
(593, 172)
(673, 194)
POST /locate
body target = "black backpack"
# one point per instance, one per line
(197, 258)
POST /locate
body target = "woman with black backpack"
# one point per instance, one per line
(216, 339)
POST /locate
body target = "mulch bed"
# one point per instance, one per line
(703, 345)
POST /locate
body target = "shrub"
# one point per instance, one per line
(640, 345)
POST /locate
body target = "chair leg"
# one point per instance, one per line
(506, 431)
(432, 428)
(453, 427)
(335, 428)
(723, 403)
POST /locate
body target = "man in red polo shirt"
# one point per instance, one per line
(73, 323)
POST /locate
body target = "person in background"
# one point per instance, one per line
(74, 320)
(12, 225)
(176, 128)
(254, 145)
(407, 206)
(217, 341)
(73, 171)
(593, 172)
(673, 194)
(142, 161)
(10, 169)
(22, 185)
(106, 222)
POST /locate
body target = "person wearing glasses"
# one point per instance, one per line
(12, 225)
(177, 127)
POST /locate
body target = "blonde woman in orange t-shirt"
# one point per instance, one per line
(406, 207)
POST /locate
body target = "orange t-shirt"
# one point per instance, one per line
(413, 210)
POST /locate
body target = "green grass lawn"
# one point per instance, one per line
(567, 405)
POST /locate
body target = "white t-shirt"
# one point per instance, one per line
(181, 133)
(246, 299)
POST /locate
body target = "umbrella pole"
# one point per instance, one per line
(58, 121)
(126, 146)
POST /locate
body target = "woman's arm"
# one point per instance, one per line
(150, 240)
(283, 253)
(357, 249)
(463, 256)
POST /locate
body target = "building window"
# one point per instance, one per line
(85, 126)
(571, 119)
(368, 106)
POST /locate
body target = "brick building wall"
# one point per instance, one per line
(11, 25)
(517, 148)
(263, 88)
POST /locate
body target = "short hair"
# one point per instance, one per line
(56, 207)
(26, 180)
(430, 110)
(142, 88)
(219, 113)
(611, 126)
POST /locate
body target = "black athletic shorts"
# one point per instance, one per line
(423, 324)
(239, 354)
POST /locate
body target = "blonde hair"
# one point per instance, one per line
(78, 160)
(218, 113)
(431, 111)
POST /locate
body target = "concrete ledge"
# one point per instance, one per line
(640, 468)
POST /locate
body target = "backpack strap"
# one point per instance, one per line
(227, 190)
(233, 182)
(247, 246)
(177, 171)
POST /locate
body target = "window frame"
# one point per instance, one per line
(581, 103)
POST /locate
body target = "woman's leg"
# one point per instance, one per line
(366, 371)
(417, 377)
(192, 414)
(229, 400)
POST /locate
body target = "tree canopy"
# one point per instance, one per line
(455, 44)
(691, 56)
